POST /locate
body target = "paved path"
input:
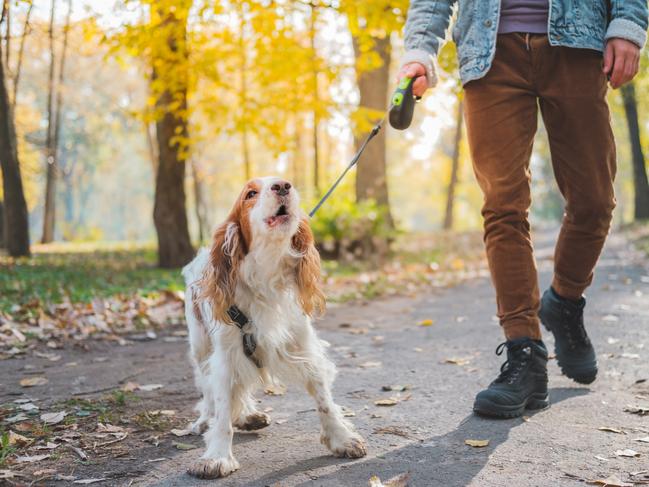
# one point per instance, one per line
(425, 434)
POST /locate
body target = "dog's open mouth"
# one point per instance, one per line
(282, 216)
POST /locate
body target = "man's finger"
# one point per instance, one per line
(419, 86)
(608, 58)
(617, 76)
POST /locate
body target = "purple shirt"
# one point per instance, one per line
(527, 16)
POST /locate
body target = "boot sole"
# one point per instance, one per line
(581, 379)
(535, 402)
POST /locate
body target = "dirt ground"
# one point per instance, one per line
(121, 402)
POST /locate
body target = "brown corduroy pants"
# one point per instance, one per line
(501, 111)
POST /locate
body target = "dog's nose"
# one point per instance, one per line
(281, 188)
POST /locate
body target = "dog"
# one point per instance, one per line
(249, 303)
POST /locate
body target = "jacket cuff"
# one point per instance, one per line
(422, 57)
(626, 29)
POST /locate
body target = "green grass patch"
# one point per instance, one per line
(81, 272)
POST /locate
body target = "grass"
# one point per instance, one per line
(81, 272)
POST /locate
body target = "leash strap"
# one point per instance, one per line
(372, 134)
(249, 342)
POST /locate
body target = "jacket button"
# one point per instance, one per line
(488, 23)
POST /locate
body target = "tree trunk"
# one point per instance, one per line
(170, 212)
(640, 180)
(201, 216)
(455, 167)
(21, 54)
(371, 175)
(49, 213)
(16, 218)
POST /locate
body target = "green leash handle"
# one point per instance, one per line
(403, 104)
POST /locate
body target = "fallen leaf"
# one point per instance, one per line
(150, 387)
(640, 410)
(33, 381)
(18, 440)
(358, 331)
(612, 481)
(630, 355)
(418, 350)
(391, 430)
(387, 402)
(370, 364)
(130, 387)
(426, 323)
(457, 361)
(400, 480)
(477, 443)
(183, 446)
(44, 472)
(163, 412)
(109, 428)
(177, 432)
(17, 418)
(610, 318)
(347, 413)
(31, 459)
(53, 418)
(395, 388)
(628, 453)
(610, 430)
(28, 407)
(89, 481)
(643, 440)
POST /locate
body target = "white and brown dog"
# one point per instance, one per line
(249, 303)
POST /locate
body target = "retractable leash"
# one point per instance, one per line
(399, 114)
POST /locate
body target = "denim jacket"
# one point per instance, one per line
(573, 23)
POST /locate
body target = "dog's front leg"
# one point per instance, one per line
(337, 434)
(217, 461)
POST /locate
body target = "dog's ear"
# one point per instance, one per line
(310, 293)
(220, 277)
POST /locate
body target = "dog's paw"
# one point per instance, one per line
(198, 427)
(254, 421)
(213, 468)
(350, 445)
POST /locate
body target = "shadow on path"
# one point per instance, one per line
(440, 460)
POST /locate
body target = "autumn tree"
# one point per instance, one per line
(640, 180)
(371, 24)
(16, 218)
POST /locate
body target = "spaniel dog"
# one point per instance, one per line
(249, 303)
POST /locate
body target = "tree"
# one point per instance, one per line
(455, 166)
(170, 85)
(49, 212)
(371, 24)
(16, 218)
(640, 180)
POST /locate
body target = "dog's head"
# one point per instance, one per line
(266, 221)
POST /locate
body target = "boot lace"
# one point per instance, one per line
(518, 356)
(574, 328)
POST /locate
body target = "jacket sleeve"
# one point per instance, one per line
(425, 30)
(629, 21)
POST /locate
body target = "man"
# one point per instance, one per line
(516, 56)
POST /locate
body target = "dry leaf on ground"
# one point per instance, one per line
(477, 443)
(150, 387)
(426, 323)
(177, 432)
(89, 481)
(370, 364)
(457, 361)
(391, 430)
(53, 418)
(608, 429)
(395, 388)
(391, 401)
(400, 480)
(627, 453)
(612, 481)
(643, 440)
(18, 440)
(640, 410)
(33, 381)
(183, 446)
(31, 459)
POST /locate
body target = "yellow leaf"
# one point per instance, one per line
(426, 323)
(477, 443)
(33, 381)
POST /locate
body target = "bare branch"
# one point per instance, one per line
(21, 51)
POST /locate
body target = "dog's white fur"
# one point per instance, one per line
(267, 291)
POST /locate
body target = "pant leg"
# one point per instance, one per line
(501, 120)
(572, 91)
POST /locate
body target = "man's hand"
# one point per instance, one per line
(621, 61)
(415, 70)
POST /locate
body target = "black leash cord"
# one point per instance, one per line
(372, 134)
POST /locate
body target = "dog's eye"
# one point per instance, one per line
(251, 194)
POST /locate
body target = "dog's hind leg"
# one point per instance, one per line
(218, 460)
(248, 417)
